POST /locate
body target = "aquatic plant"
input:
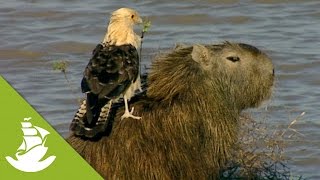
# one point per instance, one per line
(62, 66)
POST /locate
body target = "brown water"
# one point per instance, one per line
(34, 33)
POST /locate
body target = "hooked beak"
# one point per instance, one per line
(139, 20)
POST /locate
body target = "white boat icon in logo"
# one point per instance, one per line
(32, 149)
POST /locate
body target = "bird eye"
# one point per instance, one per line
(233, 58)
(132, 16)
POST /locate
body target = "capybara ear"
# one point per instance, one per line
(201, 55)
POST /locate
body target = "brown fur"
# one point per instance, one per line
(189, 115)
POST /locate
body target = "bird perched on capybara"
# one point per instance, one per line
(190, 114)
(112, 73)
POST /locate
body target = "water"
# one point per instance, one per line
(35, 33)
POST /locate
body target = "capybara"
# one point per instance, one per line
(190, 114)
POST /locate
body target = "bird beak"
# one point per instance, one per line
(139, 20)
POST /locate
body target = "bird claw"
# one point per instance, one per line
(132, 109)
(128, 114)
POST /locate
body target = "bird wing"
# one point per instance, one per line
(108, 74)
(111, 70)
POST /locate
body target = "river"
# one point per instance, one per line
(36, 33)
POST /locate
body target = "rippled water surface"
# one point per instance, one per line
(35, 33)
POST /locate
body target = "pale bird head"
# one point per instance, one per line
(126, 15)
(120, 29)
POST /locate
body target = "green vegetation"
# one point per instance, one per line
(60, 65)
(146, 25)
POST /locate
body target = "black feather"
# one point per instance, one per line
(107, 76)
(105, 122)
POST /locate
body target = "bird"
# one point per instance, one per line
(112, 73)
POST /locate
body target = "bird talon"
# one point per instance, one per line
(128, 114)
(132, 109)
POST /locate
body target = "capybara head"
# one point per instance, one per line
(240, 73)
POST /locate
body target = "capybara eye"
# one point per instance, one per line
(132, 16)
(233, 58)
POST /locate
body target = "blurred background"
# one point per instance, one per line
(36, 33)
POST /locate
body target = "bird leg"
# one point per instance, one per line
(127, 113)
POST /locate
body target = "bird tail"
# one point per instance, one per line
(93, 109)
(80, 114)
(79, 125)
